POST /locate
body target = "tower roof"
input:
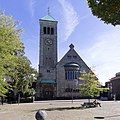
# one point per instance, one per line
(48, 18)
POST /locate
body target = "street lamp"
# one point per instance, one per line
(75, 83)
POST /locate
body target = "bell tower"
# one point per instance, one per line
(48, 42)
(47, 56)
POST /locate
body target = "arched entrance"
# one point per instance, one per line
(48, 91)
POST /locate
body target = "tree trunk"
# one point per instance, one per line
(89, 99)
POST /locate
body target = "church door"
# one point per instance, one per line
(48, 92)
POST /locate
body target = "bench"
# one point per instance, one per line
(91, 104)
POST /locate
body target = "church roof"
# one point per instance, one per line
(48, 18)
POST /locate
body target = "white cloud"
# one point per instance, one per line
(70, 18)
(31, 6)
(105, 54)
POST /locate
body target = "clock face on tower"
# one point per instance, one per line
(48, 41)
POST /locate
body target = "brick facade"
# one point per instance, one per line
(57, 79)
(116, 85)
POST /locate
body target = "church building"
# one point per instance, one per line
(57, 79)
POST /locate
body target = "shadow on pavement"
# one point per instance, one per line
(106, 117)
(63, 108)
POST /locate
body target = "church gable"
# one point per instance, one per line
(69, 71)
(72, 57)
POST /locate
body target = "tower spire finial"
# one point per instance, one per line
(48, 10)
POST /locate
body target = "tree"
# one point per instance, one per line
(4, 87)
(9, 45)
(23, 76)
(90, 86)
(107, 10)
(13, 63)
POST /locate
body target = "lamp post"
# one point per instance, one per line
(72, 94)
(75, 83)
(114, 97)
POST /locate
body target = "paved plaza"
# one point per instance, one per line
(60, 110)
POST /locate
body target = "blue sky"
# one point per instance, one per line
(97, 43)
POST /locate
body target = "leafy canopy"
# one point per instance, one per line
(13, 63)
(9, 45)
(107, 10)
(90, 86)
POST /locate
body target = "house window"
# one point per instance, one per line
(74, 56)
(48, 71)
(71, 75)
(71, 90)
(52, 31)
(71, 71)
(44, 30)
(69, 56)
(48, 30)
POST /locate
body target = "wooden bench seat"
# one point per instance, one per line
(91, 104)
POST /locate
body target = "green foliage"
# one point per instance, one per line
(106, 10)
(9, 45)
(13, 63)
(23, 75)
(90, 86)
(4, 87)
(9, 42)
(29, 93)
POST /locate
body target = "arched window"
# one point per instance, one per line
(71, 71)
(52, 31)
(44, 30)
(48, 30)
(71, 75)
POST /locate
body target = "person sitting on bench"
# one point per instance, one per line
(96, 103)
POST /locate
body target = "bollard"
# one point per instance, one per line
(40, 115)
